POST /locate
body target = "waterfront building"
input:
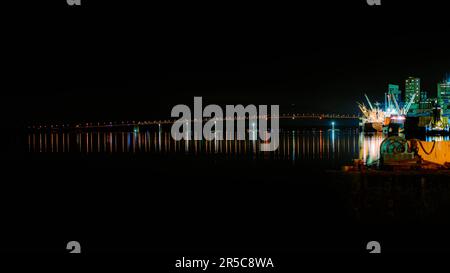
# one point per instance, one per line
(412, 86)
(425, 103)
(443, 95)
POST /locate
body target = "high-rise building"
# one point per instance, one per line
(423, 96)
(412, 87)
(425, 103)
(443, 95)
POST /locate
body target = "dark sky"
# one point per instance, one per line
(118, 60)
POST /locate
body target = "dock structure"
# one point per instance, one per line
(435, 152)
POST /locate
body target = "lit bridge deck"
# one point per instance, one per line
(93, 125)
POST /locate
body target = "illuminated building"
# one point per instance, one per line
(425, 103)
(443, 95)
(412, 86)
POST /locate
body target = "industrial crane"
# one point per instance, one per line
(371, 114)
(368, 101)
(408, 105)
(405, 109)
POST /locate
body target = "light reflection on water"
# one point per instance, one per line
(369, 145)
(437, 138)
(295, 145)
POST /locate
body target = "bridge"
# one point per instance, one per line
(121, 124)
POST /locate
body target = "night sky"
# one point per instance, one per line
(116, 60)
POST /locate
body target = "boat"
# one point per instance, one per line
(373, 118)
(390, 120)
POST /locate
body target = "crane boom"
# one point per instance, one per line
(368, 101)
(397, 108)
(363, 109)
(408, 105)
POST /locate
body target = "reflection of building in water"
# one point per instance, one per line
(369, 147)
(437, 138)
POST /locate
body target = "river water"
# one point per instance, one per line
(143, 191)
(324, 147)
